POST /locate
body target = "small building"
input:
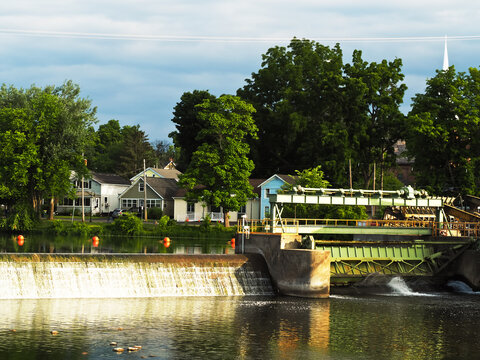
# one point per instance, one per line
(160, 194)
(100, 194)
(259, 207)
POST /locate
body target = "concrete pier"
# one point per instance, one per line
(294, 271)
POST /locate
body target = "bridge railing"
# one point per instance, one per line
(460, 229)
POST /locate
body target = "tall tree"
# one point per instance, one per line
(220, 168)
(108, 147)
(164, 152)
(56, 123)
(188, 125)
(444, 133)
(298, 97)
(374, 120)
(136, 148)
(312, 109)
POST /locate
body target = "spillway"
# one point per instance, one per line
(41, 276)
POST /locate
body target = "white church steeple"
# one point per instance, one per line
(445, 56)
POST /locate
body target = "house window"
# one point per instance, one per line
(267, 192)
(190, 207)
(154, 203)
(243, 209)
(129, 203)
(106, 200)
(141, 188)
(267, 211)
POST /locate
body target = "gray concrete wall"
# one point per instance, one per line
(468, 267)
(294, 271)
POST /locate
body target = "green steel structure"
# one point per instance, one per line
(385, 247)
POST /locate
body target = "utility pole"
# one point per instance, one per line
(83, 193)
(145, 218)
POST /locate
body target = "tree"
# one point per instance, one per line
(444, 134)
(53, 124)
(136, 148)
(312, 109)
(314, 178)
(164, 152)
(188, 125)
(374, 120)
(298, 97)
(219, 169)
(108, 147)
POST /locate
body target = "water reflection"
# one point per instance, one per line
(375, 327)
(114, 244)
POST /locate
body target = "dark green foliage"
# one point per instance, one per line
(312, 109)
(155, 213)
(128, 224)
(444, 133)
(188, 124)
(220, 168)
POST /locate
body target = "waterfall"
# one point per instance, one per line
(461, 287)
(125, 277)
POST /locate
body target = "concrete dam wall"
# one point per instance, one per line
(36, 276)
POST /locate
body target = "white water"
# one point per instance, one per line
(400, 287)
(105, 279)
(461, 287)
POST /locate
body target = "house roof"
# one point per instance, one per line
(166, 188)
(167, 173)
(289, 179)
(104, 178)
(255, 183)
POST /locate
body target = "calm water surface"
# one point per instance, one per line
(440, 326)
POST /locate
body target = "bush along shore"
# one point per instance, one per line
(127, 225)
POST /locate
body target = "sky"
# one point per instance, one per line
(135, 59)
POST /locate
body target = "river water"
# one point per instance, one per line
(382, 326)
(396, 324)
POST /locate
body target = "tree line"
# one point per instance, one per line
(305, 107)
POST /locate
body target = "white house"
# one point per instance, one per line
(100, 193)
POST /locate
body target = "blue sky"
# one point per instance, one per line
(134, 59)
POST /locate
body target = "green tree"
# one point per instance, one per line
(164, 152)
(188, 125)
(53, 124)
(374, 120)
(444, 133)
(312, 109)
(108, 147)
(136, 148)
(314, 178)
(220, 168)
(298, 95)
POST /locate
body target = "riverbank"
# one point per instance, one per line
(126, 226)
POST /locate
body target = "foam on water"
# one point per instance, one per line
(460, 287)
(400, 288)
(127, 279)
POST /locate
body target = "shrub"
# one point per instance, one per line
(128, 224)
(154, 213)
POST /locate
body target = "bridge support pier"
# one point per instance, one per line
(294, 271)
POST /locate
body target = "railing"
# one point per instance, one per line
(460, 229)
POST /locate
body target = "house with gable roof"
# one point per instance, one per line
(259, 207)
(159, 194)
(100, 193)
(165, 173)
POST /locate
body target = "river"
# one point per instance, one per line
(395, 324)
(386, 326)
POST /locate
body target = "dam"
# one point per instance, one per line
(46, 276)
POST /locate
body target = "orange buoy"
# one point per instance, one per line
(232, 242)
(20, 240)
(166, 242)
(95, 241)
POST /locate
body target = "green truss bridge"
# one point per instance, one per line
(408, 248)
